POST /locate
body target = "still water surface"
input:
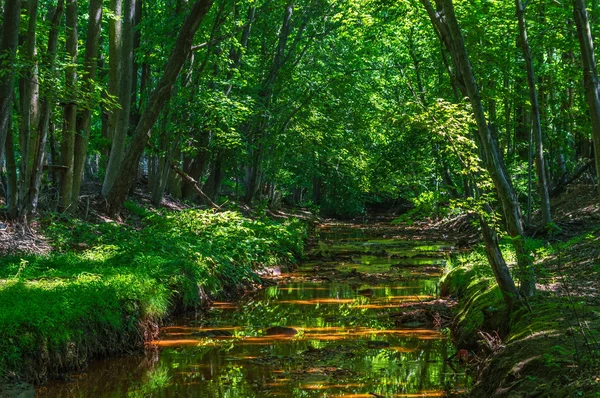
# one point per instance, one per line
(338, 304)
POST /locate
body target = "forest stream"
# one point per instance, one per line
(328, 329)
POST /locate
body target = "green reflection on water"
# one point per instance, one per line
(344, 343)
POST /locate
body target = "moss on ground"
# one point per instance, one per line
(106, 286)
(550, 351)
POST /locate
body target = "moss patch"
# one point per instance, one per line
(551, 351)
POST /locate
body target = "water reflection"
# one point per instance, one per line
(336, 337)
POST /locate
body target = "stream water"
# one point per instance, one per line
(325, 330)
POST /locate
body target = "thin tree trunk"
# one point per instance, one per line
(265, 96)
(590, 76)
(119, 137)
(540, 164)
(29, 104)
(212, 188)
(9, 40)
(84, 122)
(161, 172)
(159, 97)
(114, 67)
(12, 191)
(31, 201)
(67, 149)
(136, 105)
(189, 180)
(196, 166)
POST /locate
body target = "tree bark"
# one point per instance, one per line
(9, 40)
(590, 76)
(114, 66)
(160, 95)
(92, 46)
(540, 164)
(119, 134)
(29, 104)
(67, 147)
(31, 201)
(12, 191)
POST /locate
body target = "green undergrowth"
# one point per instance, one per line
(103, 282)
(550, 351)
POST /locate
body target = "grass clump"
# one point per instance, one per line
(105, 284)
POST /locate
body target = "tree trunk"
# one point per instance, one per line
(265, 95)
(137, 41)
(29, 96)
(31, 201)
(196, 166)
(9, 40)
(119, 134)
(446, 23)
(212, 188)
(84, 122)
(159, 97)
(67, 148)
(114, 67)
(12, 191)
(540, 164)
(590, 76)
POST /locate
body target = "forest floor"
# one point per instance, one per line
(554, 349)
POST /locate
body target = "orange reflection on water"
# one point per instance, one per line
(329, 386)
(400, 349)
(419, 297)
(420, 394)
(318, 301)
(425, 393)
(356, 396)
(176, 343)
(223, 305)
(377, 306)
(198, 329)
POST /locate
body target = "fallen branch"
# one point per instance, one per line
(194, 184)
(560, 187)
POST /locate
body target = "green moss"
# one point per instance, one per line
(94, 300)
(545, 351)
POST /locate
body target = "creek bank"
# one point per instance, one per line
(550, 351)
(106, 287)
